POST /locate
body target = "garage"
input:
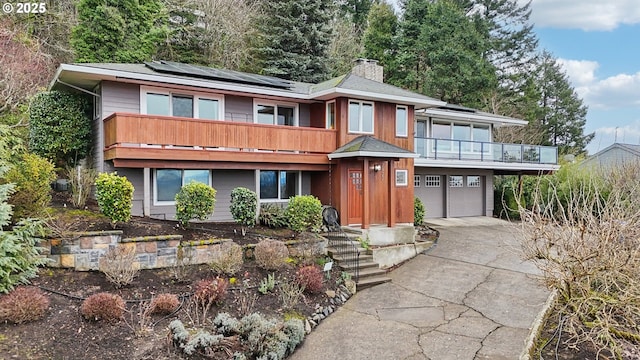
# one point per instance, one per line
(451, 193)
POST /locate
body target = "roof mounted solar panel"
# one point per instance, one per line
(202, 72)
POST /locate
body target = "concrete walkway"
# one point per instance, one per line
(469, 297)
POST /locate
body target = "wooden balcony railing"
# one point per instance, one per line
(150, 133)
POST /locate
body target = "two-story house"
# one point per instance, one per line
(358, 144)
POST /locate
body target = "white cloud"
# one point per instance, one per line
(605, 136)
(584, 14)
(622, 90)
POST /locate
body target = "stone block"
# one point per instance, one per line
(151, 247)
(86, 243)
(103, 247)
(55, 242)
(167, 251)
(173, 243)
(161, 244)
(104, 239)
(82, 262)
(68, 260)
(70, 249)
(54, 261)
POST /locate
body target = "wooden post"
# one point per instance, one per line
(146, 193)
(365, 194)
(392, 194)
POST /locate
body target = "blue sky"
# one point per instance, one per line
(598, 44)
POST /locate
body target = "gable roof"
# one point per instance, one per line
(87, 76)
(614, 155)
(368, 146)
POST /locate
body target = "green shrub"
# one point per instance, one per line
(32, 177)
(304, 213)
(243, 207)
(115, 197)
(103, 306)
(195, 200)
(59, 128)
(271, 254)
(418, 211)
(272, 215)
(23, 304)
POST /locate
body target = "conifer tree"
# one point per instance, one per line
(296, 37)
(380, 36)
(127, 31)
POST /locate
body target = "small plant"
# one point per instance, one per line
(344, 277)
(164, 304)
(195, 200)
(364, 243)
(304, 213)
(310, 277)
(139, 319)
(81, 179)
(246, 302)
(267, 284)
(115, 197)
(418, 211)
(272, 215)
(228, 259)
(119, 265)
(181, 270)
(206, 294)
(32, 176)
(290, 293)
(271, 254)
(226, 324)
(23, 304)
(243, 207)
(103, 306)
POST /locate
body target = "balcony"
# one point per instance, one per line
(146, 137)
(445, 149)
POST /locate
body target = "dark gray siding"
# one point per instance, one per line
(238, 108)
(304, 114)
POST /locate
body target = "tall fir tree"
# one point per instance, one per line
(127, 31)
(563, 115)
(441, 53)
(379, 38)
(357, 11)
(296, 38)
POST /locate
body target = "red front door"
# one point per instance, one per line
(355, 197)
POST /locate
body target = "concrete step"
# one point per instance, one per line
(361, 265)
(368, 272)
(340, 258)
(364, 283)
(332, 251)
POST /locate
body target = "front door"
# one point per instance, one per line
(355, 197)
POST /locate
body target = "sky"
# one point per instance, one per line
(597, 42)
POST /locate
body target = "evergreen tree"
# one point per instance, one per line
(357, 11)
(127, 31)
(380, 36)
(296, 37)
(563, 115)
(441, 53)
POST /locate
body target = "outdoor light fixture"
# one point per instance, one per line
(377, 167)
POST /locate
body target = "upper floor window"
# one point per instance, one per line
(402, 121)
(331, 115)
(360, 117)
(191, 105)
(460, 131)
(276, 114)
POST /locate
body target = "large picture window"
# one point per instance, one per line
(468, 137)
(189, 105)
(168, 183)
(278, 185)
(360, 117)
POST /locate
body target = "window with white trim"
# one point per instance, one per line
(181, 104)
(402, 122)
(473, 181)
(401, 177)
(270, 113)
(278, 184)
(456, 181)
(360, 117)
(416, 180)
(168, 182)
(331, 115)
(432, 181)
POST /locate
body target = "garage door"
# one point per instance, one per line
(430, 189)
(466, 195)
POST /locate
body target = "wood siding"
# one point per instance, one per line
(156, 137)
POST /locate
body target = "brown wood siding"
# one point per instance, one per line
(127, 134)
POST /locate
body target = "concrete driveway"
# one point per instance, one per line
(469, 297)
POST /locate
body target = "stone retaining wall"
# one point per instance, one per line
(82, 251)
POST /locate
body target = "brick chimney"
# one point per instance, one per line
(368, 69)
